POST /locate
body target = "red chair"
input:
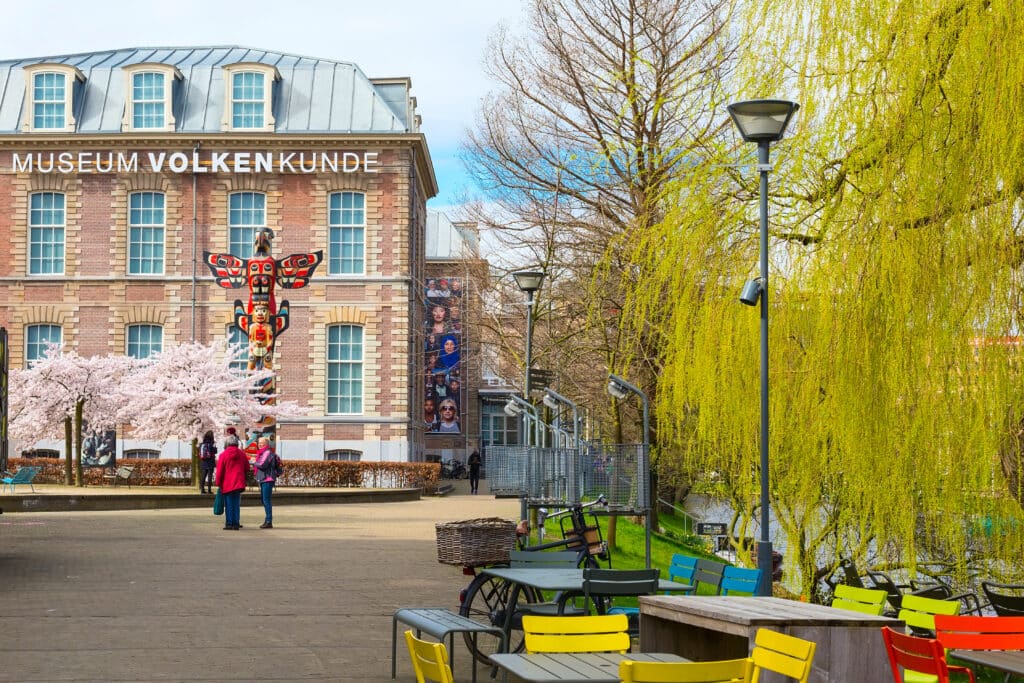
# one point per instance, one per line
(921, 655)
(979, 633)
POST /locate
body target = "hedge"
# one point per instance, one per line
(312, 473)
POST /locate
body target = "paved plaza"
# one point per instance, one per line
(167, 595)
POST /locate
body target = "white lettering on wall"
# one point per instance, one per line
(196, 162)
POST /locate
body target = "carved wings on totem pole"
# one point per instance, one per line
(261, 319)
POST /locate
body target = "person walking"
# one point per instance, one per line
(230, 477)
(475, 461)
(266, 469)
(207, 462)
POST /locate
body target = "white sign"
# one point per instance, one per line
(196, 162)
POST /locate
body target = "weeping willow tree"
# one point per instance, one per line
(897, 395)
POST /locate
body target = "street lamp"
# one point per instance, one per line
(552, 398)
(763, 122)
(528, 281)
(516, 406)
(620, 389)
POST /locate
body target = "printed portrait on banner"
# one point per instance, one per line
(443, 337)
(99, 448)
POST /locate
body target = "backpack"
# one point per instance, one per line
(207, 450)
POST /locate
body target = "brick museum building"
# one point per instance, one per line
(120, 169)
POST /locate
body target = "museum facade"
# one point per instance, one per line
(120, 169)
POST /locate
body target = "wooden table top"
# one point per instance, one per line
(574, 668)
(755, 611)
(1009, 661)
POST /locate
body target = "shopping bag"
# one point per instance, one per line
(218, 503)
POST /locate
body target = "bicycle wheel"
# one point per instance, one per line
(486, 600)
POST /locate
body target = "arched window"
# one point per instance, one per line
(144, 340)
(343, 455)
(142, 454)
(344, 370)
(37, 338)
(247, 213)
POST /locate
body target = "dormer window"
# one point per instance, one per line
(149, 90)
(50, 98)
(248, 91)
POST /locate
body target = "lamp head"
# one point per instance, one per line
(751, 292)
(511, 409)
(762, 120)
(616, 390)
(550, 401)
(529, 280)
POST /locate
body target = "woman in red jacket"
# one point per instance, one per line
(232, 465)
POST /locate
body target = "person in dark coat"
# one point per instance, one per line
(232, 465)
(207, 462)
(475, 461)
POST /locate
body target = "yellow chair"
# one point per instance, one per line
(600, 633)
(429, 660)
(726, 671)
(783, 654)
(918, 614)
(864, 600)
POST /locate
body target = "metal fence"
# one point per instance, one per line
(562, 476)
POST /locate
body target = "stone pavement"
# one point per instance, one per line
(167, 595)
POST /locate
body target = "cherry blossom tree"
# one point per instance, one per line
(185, 390)
(62, 391)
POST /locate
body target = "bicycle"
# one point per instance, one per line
(486, 597)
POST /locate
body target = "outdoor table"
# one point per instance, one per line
(553, 579)
(573, 668)
(707, 628)
(1007, 661)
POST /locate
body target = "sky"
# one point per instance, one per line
(439, 44)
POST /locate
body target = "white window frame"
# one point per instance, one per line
(338, 364)
(243, 249)
(141, 454)
(171, 77)
(58, 245)
(153, 348)
(270, 77)
(71, 75)
(34, 354)
(343, 455)
(159, 227)
(234, 335)
(340, 219)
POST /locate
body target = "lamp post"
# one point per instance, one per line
(570, 465)
(763, 122)
(528, 281)
(620, 389)
(552, 398)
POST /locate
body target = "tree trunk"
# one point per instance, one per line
(195, 462)
(79, 479)
(68, 442)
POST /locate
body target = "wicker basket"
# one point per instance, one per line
(475, 542)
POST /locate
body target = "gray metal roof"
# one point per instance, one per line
(313, 96)
(446, 240)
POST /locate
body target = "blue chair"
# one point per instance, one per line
(682, 569)
(740, 581)
(25, 475)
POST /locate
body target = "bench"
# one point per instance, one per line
(444, 489)
(441, 623)
(25, 475)
(122, 473)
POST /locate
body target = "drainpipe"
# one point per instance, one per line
(195, 152)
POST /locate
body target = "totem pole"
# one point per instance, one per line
(262, 320)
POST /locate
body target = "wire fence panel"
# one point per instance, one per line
(506, 469)
(620, 473)
(553, 476)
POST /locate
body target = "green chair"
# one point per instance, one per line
(863, 600)
(918, 613)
